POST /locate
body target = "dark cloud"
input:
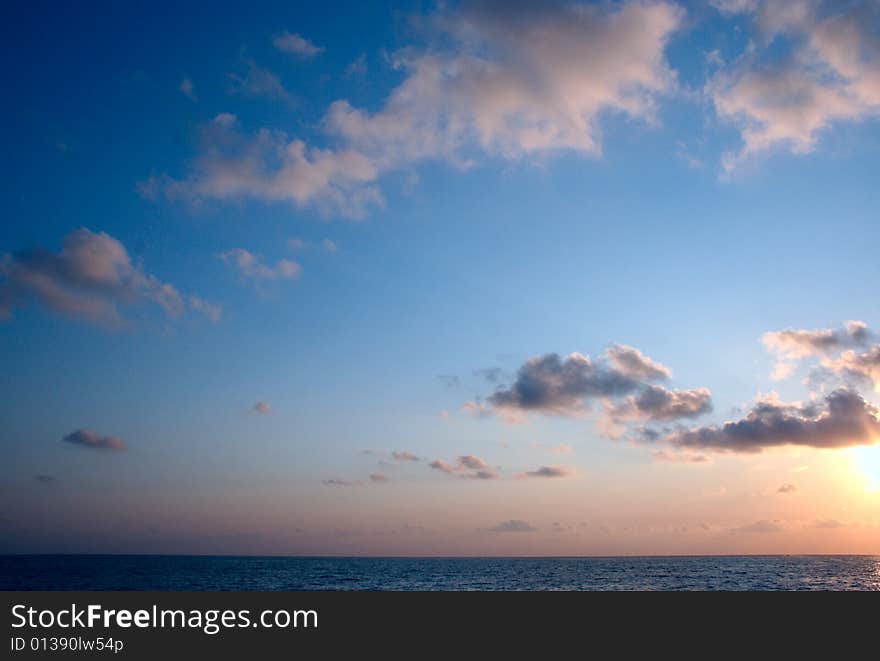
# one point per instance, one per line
(828, 524)
(90, 280)
(554, 384)
(89, 439)
(786, 488)
(263, 408)
(467, 466)
(659, 403)
(379, 477)
(844, 419)
(622, 378)
(45, 479)
(513, 525)
(404, 455)
(550, 471)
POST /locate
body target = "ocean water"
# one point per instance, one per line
(48, 572)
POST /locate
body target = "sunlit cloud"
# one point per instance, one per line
(842, 419)
(829, 74)
(515, 80)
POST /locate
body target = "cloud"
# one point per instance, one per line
(519, 79)
(468, 466)
(631, 362)
(513, 525)
(404, 455)
(860, 366)
(566, 386)
(186, 88)
(328, 245)
(503, 80)
(550, 471)
(786, 488)
(762, 526)
(263, 408)
(846, 351)
(254, 80)
(358, 66)
(45, 479)
(210, 310)
(828, 524)
(88, 439)
(680, 457)
(659, 403)
(270, 166)
(554, 384)
(477, 409)
(830, 74)
(379, 477)
(90, 280)
(290, 42)
(341, 483)
(843, 419)
(250, 266)
(794, 344)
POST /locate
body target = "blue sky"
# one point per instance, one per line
(345, 211)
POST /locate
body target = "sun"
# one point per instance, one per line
(867, 460)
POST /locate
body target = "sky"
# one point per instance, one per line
(424, 278)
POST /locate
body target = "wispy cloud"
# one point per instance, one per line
(295, 44)
(254, 80)
(251, 266)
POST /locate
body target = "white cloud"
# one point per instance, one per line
(831, 74)
(512, 81)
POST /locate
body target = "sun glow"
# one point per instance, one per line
(867, 460)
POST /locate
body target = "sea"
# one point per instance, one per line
(153, 572)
